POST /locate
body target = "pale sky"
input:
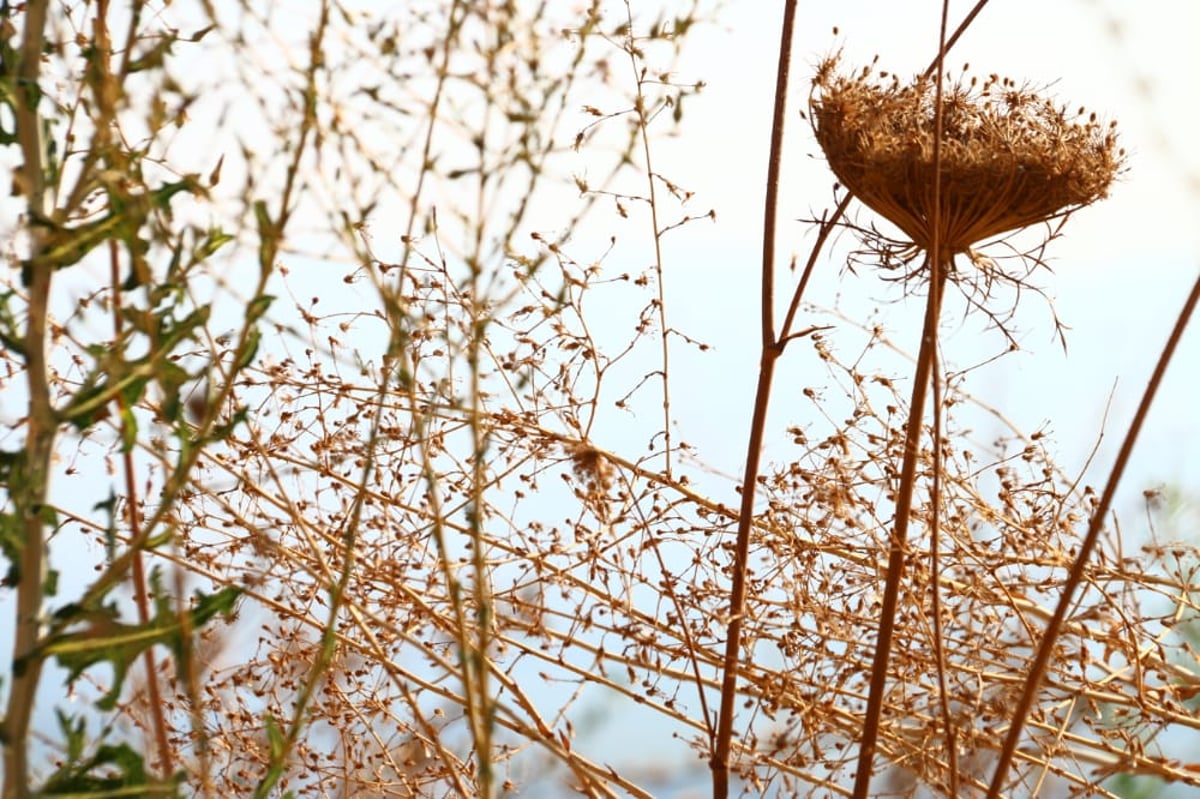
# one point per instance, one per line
(1120, 272)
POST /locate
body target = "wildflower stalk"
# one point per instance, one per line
(899, 538)
(643, 125)
(926, 358)
(771, 350)
(950, 165)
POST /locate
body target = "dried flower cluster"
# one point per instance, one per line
(1009, 157)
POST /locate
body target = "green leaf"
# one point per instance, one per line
(275, 738)
(267, 235)
(12, 541)
(278, 749)
(161, 198)
(129, 429)
(258, 306)
(109, 507)
(215, 239)
(249, 349)
(222, 431)
(171, 379)
(12, 334)
(114, 770)
(67, 246)
(104, 638)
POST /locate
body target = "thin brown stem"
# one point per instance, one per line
(939, 266)
(643, 123)
(107, 88)
(947, 43)
(775, 158)
(827, 227)
(1037, 671)
(771, 351)
(737, 598)
(141, 596)
(899, 538)
(935, 579)
(936, 488)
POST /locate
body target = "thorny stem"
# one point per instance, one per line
(29, 499)
(1041, 660)
(771, 350)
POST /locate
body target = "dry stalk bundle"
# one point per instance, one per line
(1009, 156)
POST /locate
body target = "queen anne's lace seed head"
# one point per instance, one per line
(1009, 157)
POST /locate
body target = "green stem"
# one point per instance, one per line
(29, 489)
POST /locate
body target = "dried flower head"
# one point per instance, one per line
(1009, 157)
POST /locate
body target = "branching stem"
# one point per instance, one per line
(771, 350)
(29, 498)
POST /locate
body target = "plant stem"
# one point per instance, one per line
(29, 489)
(643, 123)
(896, 546)
(771, 350)
(939, 263)
(1065, 600)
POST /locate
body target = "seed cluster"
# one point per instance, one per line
(1009, 157)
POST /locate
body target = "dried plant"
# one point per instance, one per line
(393, 433)
(950, 166)
(1007, 156)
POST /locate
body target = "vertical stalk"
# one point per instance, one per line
(899, 537)
(29, 488)
(106, 88)
(939, 263)
(643, 122)
(771, 350)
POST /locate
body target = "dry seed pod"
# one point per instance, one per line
(1009, 157)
